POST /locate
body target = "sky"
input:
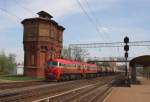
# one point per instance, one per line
(107, 21)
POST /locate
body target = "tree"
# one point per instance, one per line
(7, 63)
(65, 53)
(3, 61)
(79, 54)
(11, 62)
(75, 53)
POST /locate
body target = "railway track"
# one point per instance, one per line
(89, 93)
(12, 85)
(72, 90)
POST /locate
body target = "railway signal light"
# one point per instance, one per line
(126, 55)
(126, 40)
(126, 48)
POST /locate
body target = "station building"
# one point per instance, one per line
(42, 40)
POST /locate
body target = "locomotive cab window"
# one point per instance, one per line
(61, 64)
(53, 64)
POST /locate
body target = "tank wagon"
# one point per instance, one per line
(61, 69)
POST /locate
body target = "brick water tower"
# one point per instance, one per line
(42, 39)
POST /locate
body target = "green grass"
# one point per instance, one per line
(19, 78)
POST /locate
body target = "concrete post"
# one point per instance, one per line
(133, 74)
(69, 52)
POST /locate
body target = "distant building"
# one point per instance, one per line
(42, 39)
(18, 70)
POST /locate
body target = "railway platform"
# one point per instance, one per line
(135, 93)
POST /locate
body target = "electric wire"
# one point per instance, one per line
(25, 8)
(98, 24)
(9, 13)
(89, 18)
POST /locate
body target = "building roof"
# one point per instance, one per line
(61, 27)
(141, 60)
(44, 14)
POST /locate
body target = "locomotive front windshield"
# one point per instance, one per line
(53, 64)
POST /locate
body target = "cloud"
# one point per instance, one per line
(103, 29)
(134, 33)
(57, 8)
(21, 9)
(117, 19)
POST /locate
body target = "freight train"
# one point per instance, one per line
(61, 69)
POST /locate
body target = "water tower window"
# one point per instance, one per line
(52, 34)
(32, 59)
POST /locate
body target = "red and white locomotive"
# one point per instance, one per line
(61, 69)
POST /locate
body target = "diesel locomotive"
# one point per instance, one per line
(62, 69)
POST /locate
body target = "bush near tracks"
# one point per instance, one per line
(19, 78)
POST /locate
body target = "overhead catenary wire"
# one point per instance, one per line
(112, 44)
(17, 18)
(10, 13)
(89, 18)
(98, 24)
(25, 8)
(94, 21)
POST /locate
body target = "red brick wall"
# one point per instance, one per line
(30, 72)
(38, 42)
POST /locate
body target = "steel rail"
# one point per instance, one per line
(63, 93)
